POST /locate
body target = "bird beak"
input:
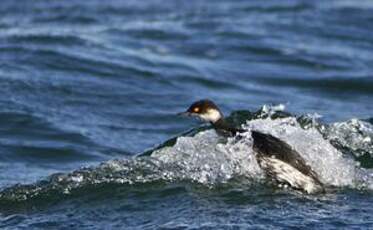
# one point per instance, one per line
(184, 114)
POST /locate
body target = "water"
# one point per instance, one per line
(88, 86)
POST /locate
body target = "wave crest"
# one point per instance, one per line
(209, 160)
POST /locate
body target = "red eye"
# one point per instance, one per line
(196, 109)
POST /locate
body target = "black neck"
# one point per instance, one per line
(223, 127)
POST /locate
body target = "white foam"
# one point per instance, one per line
(206, 159)
(210, 160)
(354, 134)
(327, 161)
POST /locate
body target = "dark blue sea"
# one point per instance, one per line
(89, 92)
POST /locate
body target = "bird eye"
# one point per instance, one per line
(196, 109)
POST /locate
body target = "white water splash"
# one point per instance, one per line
(209, 159)
(203, 158)
(269, 110)
(354, 134)
(327, 161)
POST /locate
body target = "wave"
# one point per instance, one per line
(30, 145)
(361, 85)
(201, 157)
(353, 137)
(21, 37)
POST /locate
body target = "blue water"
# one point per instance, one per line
(96, 83)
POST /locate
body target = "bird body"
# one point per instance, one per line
(276, 158)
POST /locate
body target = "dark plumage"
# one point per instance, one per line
(279, 161)
(268, 147)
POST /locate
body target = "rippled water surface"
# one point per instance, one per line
(89, 86)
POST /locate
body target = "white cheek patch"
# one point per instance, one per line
(211, 115)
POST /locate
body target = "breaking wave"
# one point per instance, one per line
(200, 156)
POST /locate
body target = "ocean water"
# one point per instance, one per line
(89, 138)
